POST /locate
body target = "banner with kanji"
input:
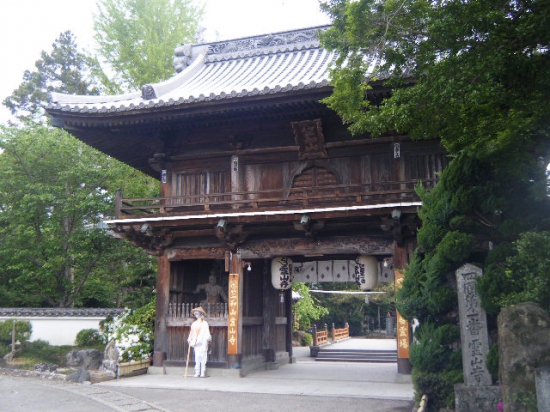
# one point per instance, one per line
(233, 314)
(402, 328)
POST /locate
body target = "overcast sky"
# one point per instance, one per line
(29, 26)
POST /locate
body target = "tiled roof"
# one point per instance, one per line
(255, 66)
(58, 312)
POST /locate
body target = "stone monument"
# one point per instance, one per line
(523, 349)
(477, 393)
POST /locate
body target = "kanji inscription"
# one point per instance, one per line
(233, 314)
(473, 328)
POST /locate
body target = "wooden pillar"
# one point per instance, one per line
(163, 296)
(400, 260)
(236, 179)
(288, 308)
(235, 308)
(270, 305)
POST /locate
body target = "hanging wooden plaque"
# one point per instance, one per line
(233, 314)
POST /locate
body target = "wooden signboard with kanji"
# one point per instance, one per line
(233, 314)
(403, 335)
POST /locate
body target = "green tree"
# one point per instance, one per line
(306, 309)
(64, 69)
(477, 69)
(516, 274)
(136, 39)
(22, 329)
(475, 75)
(53, 192)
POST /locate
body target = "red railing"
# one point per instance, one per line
(321, 337)
(340, 333)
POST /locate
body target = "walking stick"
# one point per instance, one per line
(187, 362)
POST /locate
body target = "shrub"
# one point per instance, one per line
(40, 351)
(307, 339)
(89, 337)
(133, 332)
(439, 387)
(437, 364)
(492, 361)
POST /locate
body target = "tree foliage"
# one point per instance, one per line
(353, 309)
(306, 309)
(474, 74)
(136, 39)
(479, 68)
(518, 272)
(64, 69)
(53, 192)
(22, 329)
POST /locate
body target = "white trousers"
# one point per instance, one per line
(200, 362)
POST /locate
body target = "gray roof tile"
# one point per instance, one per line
(255, 66)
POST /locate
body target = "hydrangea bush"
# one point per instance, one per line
(133, 332)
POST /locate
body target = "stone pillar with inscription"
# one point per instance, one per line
(477, 393)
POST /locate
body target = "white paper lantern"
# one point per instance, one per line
(281, 273)
(366, 272)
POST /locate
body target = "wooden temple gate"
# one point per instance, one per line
(252, 167)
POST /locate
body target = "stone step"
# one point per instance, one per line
(354, 355)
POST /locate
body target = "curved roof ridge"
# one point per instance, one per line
(63, 98)
(181, 78)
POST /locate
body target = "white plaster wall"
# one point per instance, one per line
(58, 330)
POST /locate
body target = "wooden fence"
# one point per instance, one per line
(321, 337)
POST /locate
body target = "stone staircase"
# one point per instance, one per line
(357, 355)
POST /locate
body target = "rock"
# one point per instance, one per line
(84, 358)
(100, 376)
(80, 376)
(523, 346)
(110, 359)
(45, 367)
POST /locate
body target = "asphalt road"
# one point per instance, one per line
(29, 394)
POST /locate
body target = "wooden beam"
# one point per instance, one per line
(333, 246)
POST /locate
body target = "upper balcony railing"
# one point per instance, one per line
(281, 199)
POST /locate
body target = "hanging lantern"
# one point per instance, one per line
(366, 272)
(281, 271)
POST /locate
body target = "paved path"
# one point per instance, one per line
(306, 385)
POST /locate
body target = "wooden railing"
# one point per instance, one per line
(320, 337)
(341, 333)
(185, 310)
(334, 195)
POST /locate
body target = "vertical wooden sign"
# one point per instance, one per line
(233, 315)
(403, 335)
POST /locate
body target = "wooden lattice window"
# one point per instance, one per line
(191, 186)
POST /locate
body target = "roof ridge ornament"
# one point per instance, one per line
(148, 92)
(290, 38)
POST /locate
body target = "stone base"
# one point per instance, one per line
(404, 366)
(247, 366)
(476, 398)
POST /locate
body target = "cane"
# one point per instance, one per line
(187, 362)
